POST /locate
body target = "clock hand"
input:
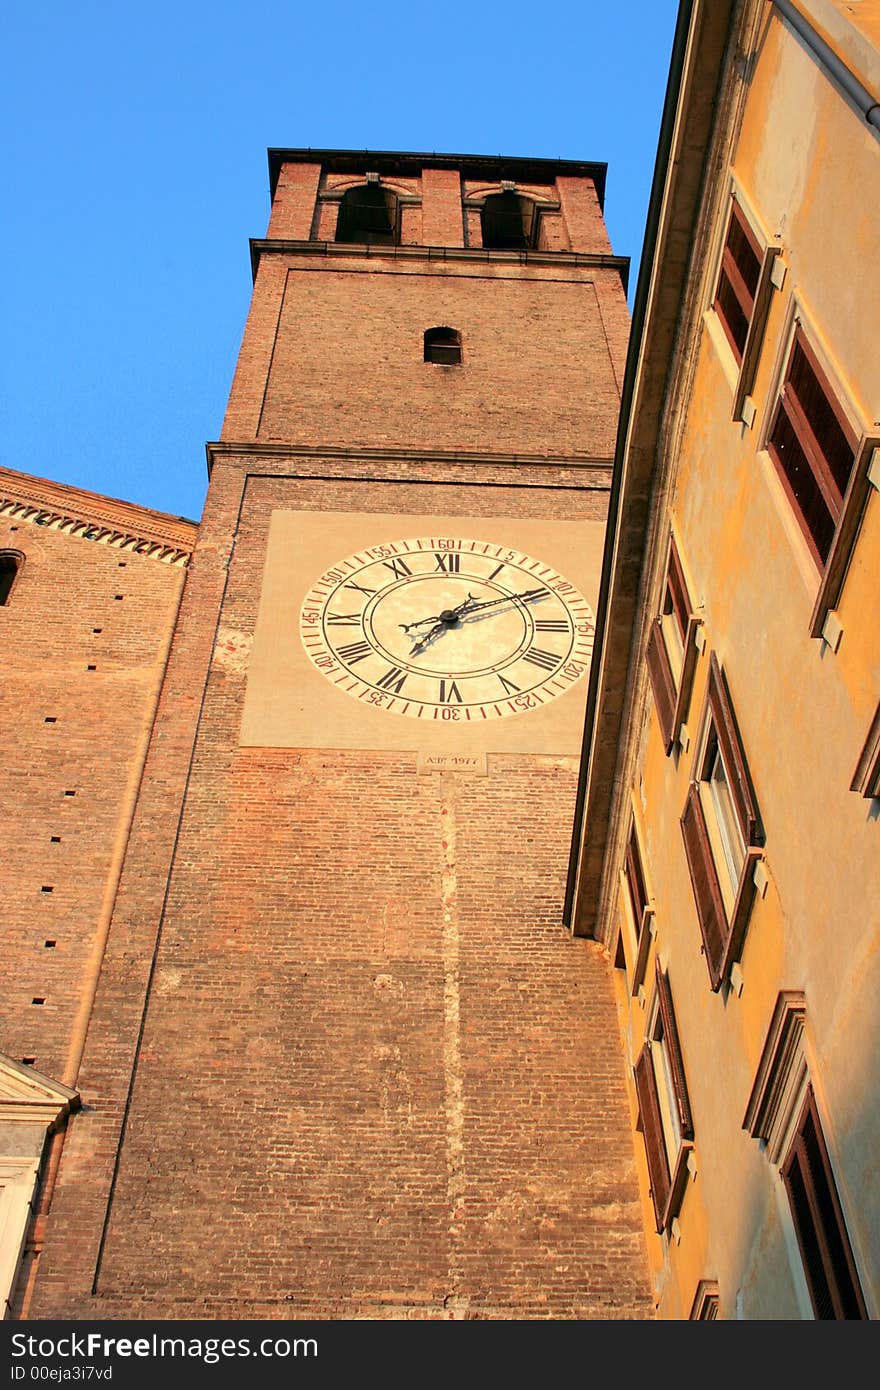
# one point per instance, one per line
(426, 637)
(507, 598)
(470, 605)
(447, 617)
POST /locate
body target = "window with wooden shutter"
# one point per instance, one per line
(744, 288)
(738, 279)
(722, 832)
(664, 1109)
(706, 1302)
(818, 1220)
(672, 651)
(652, 1132)
(813, 446)
(783, 1116)
(866, 778)
(638, 905)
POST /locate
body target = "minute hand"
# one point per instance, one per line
(507, 598)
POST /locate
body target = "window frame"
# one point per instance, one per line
(672, 688)
(17, 558)
(765, 253)
(391, 201)
(667, 1177)
(866, 778)
(706, 1304)
(723, 915)
(782, 1099)
(848, 503)
(451, 342)
(788, 407)
(638, 902)
(730, 274)
(818, 1219)
(529, 220)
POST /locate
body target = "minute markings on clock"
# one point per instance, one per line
(462, 605)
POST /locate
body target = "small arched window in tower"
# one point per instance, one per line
(368, 214)
(443, 345)
(509, 222)
(10, 563)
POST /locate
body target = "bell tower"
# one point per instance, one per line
(344, 1060)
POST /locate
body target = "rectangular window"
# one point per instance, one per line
(706, 1302)
(738, 280)
(672, 651)
(637, 904)
(783, 1116)
(722, 831)
(746, 277)
(866, 778)
(818, 1220)
(813, 447)
(664, 1109)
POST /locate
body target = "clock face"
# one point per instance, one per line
(447, 628)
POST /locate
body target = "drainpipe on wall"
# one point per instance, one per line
(859, 95)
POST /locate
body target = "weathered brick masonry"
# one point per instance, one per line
(343, 1059)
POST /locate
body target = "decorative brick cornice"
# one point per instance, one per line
(477, 255)
(409, 164)
(92, 517)
(461, 457)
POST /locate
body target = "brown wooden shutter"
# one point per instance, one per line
(678, 589)
(652, 1132)
(738, 279)
(635, 878)
(732, 753)
(662, 682)
(818, 1219)
(673, 1050)
(707, 891)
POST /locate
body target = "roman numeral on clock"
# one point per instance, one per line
(359, 587)
(354, 651)
(449, 691)
(509, 687)
(399, 568)
(449, 561)
(546, 660)
(551, 625)
(392, 680)
(343, 619)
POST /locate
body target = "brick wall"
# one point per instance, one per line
(360, 973)
(339, 1023)
(84, 639)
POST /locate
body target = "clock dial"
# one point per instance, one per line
(448, 629)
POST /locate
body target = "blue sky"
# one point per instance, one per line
(135, 171)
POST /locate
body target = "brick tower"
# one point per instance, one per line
(343, 1061)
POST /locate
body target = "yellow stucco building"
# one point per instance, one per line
(727, 836)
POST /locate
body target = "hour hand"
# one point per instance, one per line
(447, 618)
(426, 637)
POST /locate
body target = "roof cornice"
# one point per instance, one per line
(410, 164)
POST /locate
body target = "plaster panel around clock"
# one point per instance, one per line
(535, 372)
(293, 702)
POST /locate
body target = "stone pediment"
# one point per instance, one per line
(27, 1095)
